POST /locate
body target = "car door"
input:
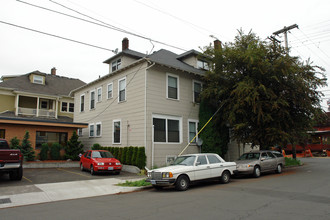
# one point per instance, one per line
(216, 165)
(264, 162)
(87, 163)
(202, 168)
(272, 161)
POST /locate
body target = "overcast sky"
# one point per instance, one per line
(184, 24)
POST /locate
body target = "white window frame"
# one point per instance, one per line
(69, 107)
(193, 89)
(202, 64)
(38, 79)
(99, 95)
(96, 124)
(166, 117)
(196, 123)
(89, 130)
(79, 132)
(124, 78)
(90, 99)
(82, 110)
(116, 64)
(178, 86)
(111, 90)
(113, 131)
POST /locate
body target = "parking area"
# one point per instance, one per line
(56, 175)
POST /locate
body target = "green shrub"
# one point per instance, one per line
(14, 143)
(55, 151)
(120, 150)
(73, 148)
(115, 152)
(44, 151)
(141, 158)
(123, 155)
(292, 162)
(96, 146)
(129, 155)
(134, 156)
(26, 148)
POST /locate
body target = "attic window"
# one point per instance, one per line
(116, 65)
(202, 65)
(38, 79)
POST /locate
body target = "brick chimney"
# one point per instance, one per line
(53, 71)
(125, 44)
(217, 44)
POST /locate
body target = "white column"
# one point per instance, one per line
(37, 107)
(16, 104)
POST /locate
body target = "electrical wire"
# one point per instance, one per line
(102, 25)
(57, 36)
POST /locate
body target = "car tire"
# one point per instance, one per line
(82, 167)
(182, 183)
(16, 174)
(279, 168)
(256, 172)
(225, 177)
(92, 170)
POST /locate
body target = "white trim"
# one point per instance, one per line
(124, 78)
(111, 90)
(168, 117)
(178, 85)
(113, 131)
(196, 123)
(89, 130)
(193, 88)
(37, 81)
(80, 103)
(90, 99)
(97, 94)
(96, 124)
(67, 106)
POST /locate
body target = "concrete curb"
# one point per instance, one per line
(71, 164)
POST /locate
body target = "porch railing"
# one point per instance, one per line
(33, 112)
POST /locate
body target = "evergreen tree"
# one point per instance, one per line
(26, 148)
(55, 151)
(44, 151)
(14, 143)
(141, 158)
(73, 148)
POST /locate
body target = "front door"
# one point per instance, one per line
(202, 168)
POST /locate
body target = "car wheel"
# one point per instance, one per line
(182, 183)
(82, 167)
(92, 170)
(225, 177)
(16, 174)
(279, 168)
(256, 172)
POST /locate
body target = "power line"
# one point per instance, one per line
(53, 35)
(102, 25)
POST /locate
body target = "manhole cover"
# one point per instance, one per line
(5, 200)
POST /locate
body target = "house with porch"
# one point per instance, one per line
(39, 103)
(145, 100)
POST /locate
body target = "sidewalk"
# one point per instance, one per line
(50, 192)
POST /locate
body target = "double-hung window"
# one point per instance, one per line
(82, 103)
(197, 88)
(92, 99)
(115, 65)
(116, 132)
(64, 107)
(110, 88)
(122, 90)
(193, 130)
(98, 129)
(172, 86)
(71, 107)
(99, 94)
(91, 130)
(167, 129)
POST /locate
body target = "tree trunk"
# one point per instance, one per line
(294, 152)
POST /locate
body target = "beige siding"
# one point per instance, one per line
(192, 61)
(59, 110)
(157, 103)
(130, 112)
(7, 103)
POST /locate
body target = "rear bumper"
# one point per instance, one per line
(9, 166)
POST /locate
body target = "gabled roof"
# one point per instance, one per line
(54, 85)
(127, 52)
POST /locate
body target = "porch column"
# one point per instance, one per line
(16, 104)
(56, 108)
(37, 107)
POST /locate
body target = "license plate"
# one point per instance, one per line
(110, 168)
(153, 182)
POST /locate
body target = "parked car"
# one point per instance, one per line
(99, 161)
(189, 168)
(257, 162)
(11, 161)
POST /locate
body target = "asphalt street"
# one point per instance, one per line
(297, 193)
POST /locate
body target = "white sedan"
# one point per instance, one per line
(189, 168)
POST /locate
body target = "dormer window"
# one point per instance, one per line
(201, 64)
(38, 79)
(115, 65)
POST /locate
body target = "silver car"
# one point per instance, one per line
(257, 162)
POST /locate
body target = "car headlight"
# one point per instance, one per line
(100, 164)
(149, 174)
(117, 163)
(167, 175)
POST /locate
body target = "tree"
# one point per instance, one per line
(44, 151)
(73, 148)
(55, 151)
(268, 96)
(14, 143)
(26, 148)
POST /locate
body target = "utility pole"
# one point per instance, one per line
(285, 31)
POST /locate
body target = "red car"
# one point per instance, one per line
(99, 161)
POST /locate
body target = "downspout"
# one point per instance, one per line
(145, 114)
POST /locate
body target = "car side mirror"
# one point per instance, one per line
(263, 158)
(198, 163)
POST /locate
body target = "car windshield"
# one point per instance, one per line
(249, 156)
(101, 154)
(185, 160)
